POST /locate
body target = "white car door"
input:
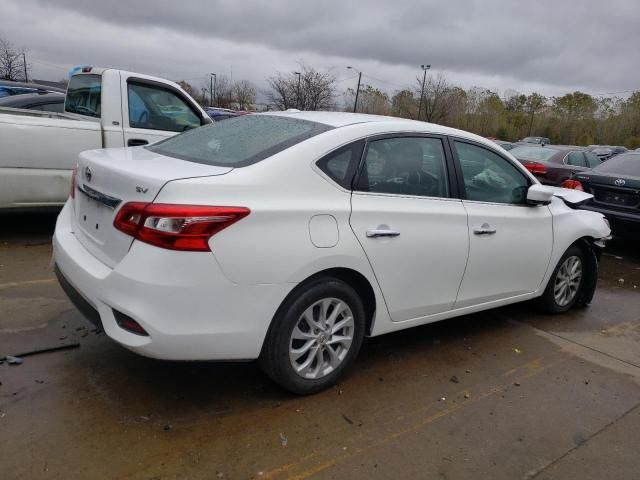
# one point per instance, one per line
(153, 112)
(510, 241)
(412, 229)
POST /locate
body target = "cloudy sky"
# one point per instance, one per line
(550, 46)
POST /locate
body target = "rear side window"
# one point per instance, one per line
(576, 159)
(405, 166)
(84, 95)
(239, 141)
(341, 164)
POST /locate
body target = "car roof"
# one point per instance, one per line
(35, 86)
(29, 98)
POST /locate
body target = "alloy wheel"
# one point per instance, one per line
(321, 339)
(567, 280)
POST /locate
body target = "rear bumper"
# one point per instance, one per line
(182, 299)
(621, 222)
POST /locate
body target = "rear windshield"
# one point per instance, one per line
(239, 141)
(83, 95)
(622, 165)
(539, 154)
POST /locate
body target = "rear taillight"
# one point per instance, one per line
(72, 187)
(573, 185)
(535, 167)
(176, 227)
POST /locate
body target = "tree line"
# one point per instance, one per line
(575, 118)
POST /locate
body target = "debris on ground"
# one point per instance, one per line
(468, 371)
(11, 360)
(167, 428)
(621, 281)
(467, 395)
(284, 439)
(299, 410)
(39, 381)
(347, 419)
(517, 350)
(443, 399)
(57, 348)
(454, 379)
(144, 418)
(517, 384)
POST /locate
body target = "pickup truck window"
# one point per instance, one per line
(157, 108)
(83, 95)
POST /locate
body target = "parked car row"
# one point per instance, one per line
(615, 186)
(605, 152)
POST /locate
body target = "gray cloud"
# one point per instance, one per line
(546, 45)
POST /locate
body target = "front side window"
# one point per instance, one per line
(157, 108)
(488, 177)
(576, 159)
(239, 141)
(405, 166)
(84, 95)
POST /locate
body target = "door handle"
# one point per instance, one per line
(485, 229)
(382, 232)
(136, 142)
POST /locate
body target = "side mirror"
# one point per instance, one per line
(539, 195)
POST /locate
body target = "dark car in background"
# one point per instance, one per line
(47, 102)
(554, 164)
(218, 114)
(615, 186)
(9, 88)
(504, 144)
(605, 152)
(536, 140)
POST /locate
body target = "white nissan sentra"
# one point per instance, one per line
(289, 237)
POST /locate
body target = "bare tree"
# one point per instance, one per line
(310, 90)
(436, 92)
(370, 100)
(12, 63)
(244, 94)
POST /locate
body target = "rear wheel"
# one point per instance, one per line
(315, 337)
(565, 283)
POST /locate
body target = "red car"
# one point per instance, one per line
(554, 164)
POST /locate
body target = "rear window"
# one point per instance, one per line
(239, 141)
(622, 165)
(539, 154)
(83, 95)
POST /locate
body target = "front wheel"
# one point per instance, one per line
(315, 337)
(565, 283)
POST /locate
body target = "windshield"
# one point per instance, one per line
(83, 95)
(239, 141)
(622, 165)
(538, 154)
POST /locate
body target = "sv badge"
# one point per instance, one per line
(140, 189)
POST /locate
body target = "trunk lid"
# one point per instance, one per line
(107, 179)
(611, 191)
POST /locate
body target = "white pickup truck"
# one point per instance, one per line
(103, 108)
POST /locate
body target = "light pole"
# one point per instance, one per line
(298, 92)
(424, 78)
(213, 80)
(355, 104)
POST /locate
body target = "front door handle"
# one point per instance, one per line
(485, 229)
(136, 142)
(382, 232)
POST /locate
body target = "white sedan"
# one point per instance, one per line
(289, 237)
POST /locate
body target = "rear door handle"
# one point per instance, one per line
(485, 229)
(382, 232)
(136, 142)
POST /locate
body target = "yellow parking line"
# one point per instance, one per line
(305, 470)
(26, 283)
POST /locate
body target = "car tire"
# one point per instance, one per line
(298, 326)
(565, 284)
